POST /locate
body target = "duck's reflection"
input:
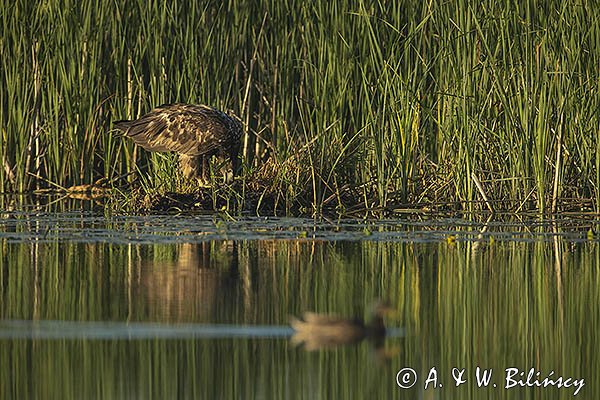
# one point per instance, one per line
(321, 331)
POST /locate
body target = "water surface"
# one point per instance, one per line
(164, 306)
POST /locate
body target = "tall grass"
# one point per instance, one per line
(378, 102)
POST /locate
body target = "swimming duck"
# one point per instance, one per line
(317, 331)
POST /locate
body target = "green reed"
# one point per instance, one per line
(385, 104)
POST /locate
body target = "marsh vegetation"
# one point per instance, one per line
(377, 105)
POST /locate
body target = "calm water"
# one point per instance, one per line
(96, 306)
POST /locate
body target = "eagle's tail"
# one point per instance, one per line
(123, 125)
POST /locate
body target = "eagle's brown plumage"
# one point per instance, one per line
(196, 132)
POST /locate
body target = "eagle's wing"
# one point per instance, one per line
(183, 128)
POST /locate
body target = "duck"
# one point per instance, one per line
(316, 331)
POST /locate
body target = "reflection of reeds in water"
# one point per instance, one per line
(497, 306)
(188, 287)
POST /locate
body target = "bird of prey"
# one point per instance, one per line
(195, 132)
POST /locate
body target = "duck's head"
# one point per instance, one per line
(379, 310)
